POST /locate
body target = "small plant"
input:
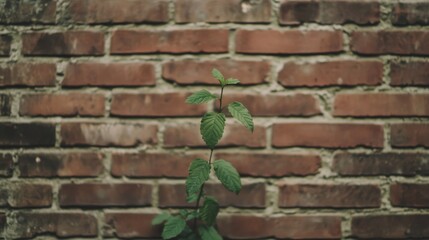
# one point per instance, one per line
(199, 222)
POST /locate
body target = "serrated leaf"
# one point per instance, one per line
(199, 172)
(160, 218)
(202, 96)
(212, 127)
(227, 175)
(208, 233)
(209, 211)
(192, 216)
(218, 75)
(173, 227)
(240, 112)
(191, 198)
(232, 81)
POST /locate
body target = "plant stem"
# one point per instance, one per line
(220, 100)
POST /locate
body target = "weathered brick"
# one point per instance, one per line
(199, 72)
(276, 105)
(409, 74)
(381, 105)
(409, 195)
(107, 134)
(390, 42)
(168, 104)
(5, 44)
(152, 164)
(131, 225)
(188, 135)
(21, 11)
(105, 195)
(26, 134)
(28, 74)
(21, 195)
(391, 226)
(118, 11)
(410, 13)
(70, 104)
(222, 11)
(409, 135)
(361, 164)
(251, 195)
(79, 164)
(332, 73)
(288, 42)
(71, 43)
(272, 164)
(175, 41)
(290, 227)
(109, 74)
(6, 165)
(32, 224)
(328, 135)
(5, 104)
(329, 196)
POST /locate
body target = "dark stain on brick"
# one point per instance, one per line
(5, 105)
(51, 43)
(27, 134)
(5, 43)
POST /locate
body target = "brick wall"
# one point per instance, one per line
(95, 137)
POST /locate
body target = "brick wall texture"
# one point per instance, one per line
(96, 139)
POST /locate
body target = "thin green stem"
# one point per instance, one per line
(220, 100)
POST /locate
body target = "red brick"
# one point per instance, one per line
(409, 74)
(6, 165)
(329, 135)
(109, 74)
(251, 195)
(28, 74)
(267, 105)
(222, 11)
(118, 11)
(188, 135)
(21, 195)
(107, 134)
(199, 72)
(381, 105)
(104, 195)
(333, 73)
(5, 104)
(27, 134)
(329, 196)
(288, 42)
(5, 44)
(410, 13)
(390, 42)
(290, 227)
(293, 12)
(391, 226)
(21, 11)
(169, 104)
(361, 164)
(152, 164)
(131, 225)
(409, 195)
(261, 164)
(409, 135)
(81, 164)
(174, 41)
(71, 43)
(70, 104)
(32, 224)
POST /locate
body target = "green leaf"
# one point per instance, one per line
(227, 175)
(218, 75)
(202, 96)
(232, 81)
(173, 227)
(160, 218)
(192, 216)
(209, 211)
(212, 126)
(240, 112)
(191, 198)
(199, 172)
(208, 233)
